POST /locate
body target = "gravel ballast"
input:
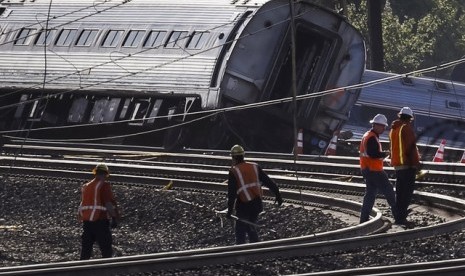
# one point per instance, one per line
(39, 225)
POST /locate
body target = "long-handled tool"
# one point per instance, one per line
(200, 206)
(166, 187)
(219, 213)
(421, 174)
(223, 212)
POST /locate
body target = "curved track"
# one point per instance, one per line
(208, 177)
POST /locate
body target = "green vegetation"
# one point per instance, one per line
(416, 33)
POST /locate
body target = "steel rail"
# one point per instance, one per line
(328, 202)
(340, 159)
(204, 172)
(279, 244)
(373, 225)
(311, 166)
(444, 268)
(232, 255)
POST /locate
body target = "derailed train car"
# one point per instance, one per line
(120, 68)
(438, 106)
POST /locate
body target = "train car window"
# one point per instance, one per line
(43, 39)
(2, 34)
(38, 113)
(133, 38)
(177, 39)
(141, 108)
(407, 81)
(441, 86)
(78, 111)
(66, 37)
(86, 38)
(24, 36)
(198, 40)
(4, 12)
(124, 110)
(154, 39)
(21, 106)
(155, 110)
(454, 105)
(111, 109)
(97, 112)
(112, 39)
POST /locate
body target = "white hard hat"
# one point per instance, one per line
(406, 111)
(379, 119)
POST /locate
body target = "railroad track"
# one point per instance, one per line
(345, 239)
(331, 167)
(444, 268)
(214, 257)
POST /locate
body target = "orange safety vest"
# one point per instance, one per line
(248, 184)
(92, 208)
(373, 164)
(404, 152)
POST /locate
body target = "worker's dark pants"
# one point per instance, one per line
(96, 231)
(249, 212)
(376, 181)
(404, 191)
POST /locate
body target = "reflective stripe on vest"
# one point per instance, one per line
(374, 164)
(247, 189)
(397, 146)
(91, 201)
(401, 149)
(92, 207)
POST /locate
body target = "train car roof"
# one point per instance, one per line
(170, 2)
(122, 10)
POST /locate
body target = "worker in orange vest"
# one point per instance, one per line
(405, 159)
(371, 165)
(245, 192)
(98, 212)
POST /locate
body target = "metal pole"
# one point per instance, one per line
(294, 88)
(294, 77)
(376, 34)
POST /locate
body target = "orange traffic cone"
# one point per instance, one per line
(300, 142)
(463, 158)
(331, 149)
(439, 156)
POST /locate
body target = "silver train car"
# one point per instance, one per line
(174, 72)
(438, 106)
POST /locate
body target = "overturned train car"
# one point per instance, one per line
(143, 71)
(438, 106)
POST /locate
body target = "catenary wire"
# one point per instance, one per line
(284, 100)
(62, 24)
(246, 106)
(275, 101)
(139, 52)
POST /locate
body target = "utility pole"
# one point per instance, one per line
(293, 74)
(375, 30)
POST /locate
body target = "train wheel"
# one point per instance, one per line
(175, 138)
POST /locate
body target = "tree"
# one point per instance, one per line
(415, 35)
